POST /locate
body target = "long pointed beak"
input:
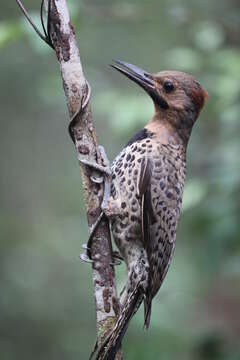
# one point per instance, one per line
(142, 78)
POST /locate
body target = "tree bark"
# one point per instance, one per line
(62, 36)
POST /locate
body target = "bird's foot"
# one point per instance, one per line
(103, 168)
(94, 165)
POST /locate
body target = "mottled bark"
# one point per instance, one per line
(62, 36)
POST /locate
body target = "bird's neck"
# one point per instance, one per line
(167, 131)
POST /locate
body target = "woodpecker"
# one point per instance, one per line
(147, 188)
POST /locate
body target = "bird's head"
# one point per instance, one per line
(177, 96)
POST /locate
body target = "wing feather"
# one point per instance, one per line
(147, 219)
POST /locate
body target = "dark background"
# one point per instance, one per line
(46, 301)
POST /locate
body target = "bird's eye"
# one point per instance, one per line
(168, 86)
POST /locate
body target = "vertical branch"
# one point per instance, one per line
(61, 36)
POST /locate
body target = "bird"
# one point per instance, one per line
(147, 184)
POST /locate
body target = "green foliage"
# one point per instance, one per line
(9, 31)
(46, 302)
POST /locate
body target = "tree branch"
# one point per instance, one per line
(61, 36)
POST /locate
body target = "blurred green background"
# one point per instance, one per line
(46, 301)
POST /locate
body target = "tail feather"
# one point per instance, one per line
(111, 345)
(147, 311)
